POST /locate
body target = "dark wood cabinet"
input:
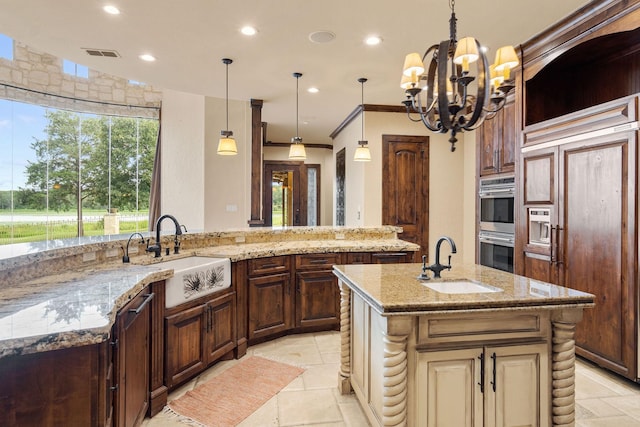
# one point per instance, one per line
(270, 305)
(131, 361)
(317, 299)
(198, 335)
(588, 181)
(496, 141)
(391, 257)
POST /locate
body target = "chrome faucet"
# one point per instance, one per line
(437, 267)
(157, 248)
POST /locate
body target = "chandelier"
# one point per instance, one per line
(446, 96)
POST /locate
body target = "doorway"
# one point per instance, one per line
(291, 194)
(405, 187)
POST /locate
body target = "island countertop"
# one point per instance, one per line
(393, 289)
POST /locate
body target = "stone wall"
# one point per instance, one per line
(37, 78)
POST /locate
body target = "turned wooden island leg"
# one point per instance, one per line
(344, 376)
(394, 408)
(563, 366)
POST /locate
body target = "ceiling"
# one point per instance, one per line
(190, 38)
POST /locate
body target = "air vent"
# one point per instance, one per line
(102, 52)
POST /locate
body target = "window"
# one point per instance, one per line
(66, 174)
(6, 47)
(74, 69)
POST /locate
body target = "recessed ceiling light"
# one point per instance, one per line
(147, 57)
(313, 90)
(373, 40)
(111, 10)
(248, 31)
(484, 49)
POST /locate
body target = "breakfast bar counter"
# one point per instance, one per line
(476, 347)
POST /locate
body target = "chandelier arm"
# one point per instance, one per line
(484, 83)
(443, 99)
(426, 114)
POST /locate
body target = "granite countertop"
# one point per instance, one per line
(261, 250)
(78, 306)
(69, 309)
(395, 289)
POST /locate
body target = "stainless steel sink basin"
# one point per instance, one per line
(461, 287)
(194, 277)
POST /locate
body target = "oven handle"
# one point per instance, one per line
(497, 240)
(497, 193)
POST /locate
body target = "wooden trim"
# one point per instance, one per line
(256, 162)
(287, 144)
(598, 18)
(379, 108)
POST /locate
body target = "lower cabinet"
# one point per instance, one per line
(317, 294)
(131, 361)
(197, 336)
(483, 386)
(270, 307)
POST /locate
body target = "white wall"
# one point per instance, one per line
(203, 190)
(227, 191)
(182, 137)
(450, 178)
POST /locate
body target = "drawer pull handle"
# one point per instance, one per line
(270, 265)
(318, 261)
(148, 297)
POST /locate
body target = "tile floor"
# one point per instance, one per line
(603, 399)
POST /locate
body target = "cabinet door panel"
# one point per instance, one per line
(448, 390)
(519, 376)
(596, 244)
(508, 143)
(185, 350)
(269, 305)
(220, 316)
(538, 172)
(317, 299)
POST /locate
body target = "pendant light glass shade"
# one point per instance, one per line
(297, 151)
(362, 154)
(227, 145)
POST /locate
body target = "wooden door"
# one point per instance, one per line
(405, 187)
(289, 178)
(597, 245)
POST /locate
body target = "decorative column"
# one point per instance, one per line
(563, 366)
(394, 403)
(344, 376)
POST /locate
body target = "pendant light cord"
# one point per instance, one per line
(227, 95)
(362, 81)
(297, 96)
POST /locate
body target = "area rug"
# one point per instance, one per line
(229, 398)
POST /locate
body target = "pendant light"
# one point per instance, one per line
(297, 151)
(227, 145)
(362, 153)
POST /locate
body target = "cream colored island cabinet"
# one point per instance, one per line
(479, 347)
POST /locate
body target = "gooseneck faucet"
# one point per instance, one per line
(437, 267)
(125, 257)
(157, 248)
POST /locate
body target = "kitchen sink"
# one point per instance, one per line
(194, 277)
(461, 287)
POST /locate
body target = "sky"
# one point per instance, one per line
(19, 125)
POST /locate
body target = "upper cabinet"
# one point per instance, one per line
(496, 141)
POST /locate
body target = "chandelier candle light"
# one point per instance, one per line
(443, 95)
(297, 151)
(362, 153)
(227, 145)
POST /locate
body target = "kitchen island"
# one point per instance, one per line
(476, 347)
